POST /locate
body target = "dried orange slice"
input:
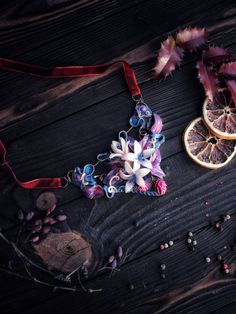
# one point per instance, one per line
(220, 115)
(205, 148)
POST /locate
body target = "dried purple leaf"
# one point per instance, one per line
(228, 69)
(231, 84)
(216, 55)
(209, 80)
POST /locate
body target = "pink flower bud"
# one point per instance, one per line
(144, 189)
(160, 186)
(46, 230)
(35, 239)
(61, 217)
(111, 259)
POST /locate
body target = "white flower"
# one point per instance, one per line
(119, 148)
(133, 177)
(139, 156)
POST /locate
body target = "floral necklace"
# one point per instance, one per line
(133, 165)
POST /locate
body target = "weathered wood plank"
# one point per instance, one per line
(46, 93)
(191, 285)
(130, 221)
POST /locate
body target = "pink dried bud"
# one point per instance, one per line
(111, 259)
(61, 217)
(119, 251)
(114, 264)
(160, 186)
(50, 221)
(35, 239)
(38, 222)
(29, 216)
(46, 230)
(37, 228)
(144, 189)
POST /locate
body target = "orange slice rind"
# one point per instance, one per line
(205, 148)
(220, 115)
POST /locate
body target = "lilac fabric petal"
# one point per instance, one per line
(156, 158)
(157, 125)
(157, 172)
(144, 142)
(108, 177)
(95, 191)
(131, 142)
(76, 178)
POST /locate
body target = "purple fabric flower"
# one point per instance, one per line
(155, 160)
(95, 191)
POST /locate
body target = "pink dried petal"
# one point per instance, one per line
(209, 80)
(46, 229)
(111, 259)
(35, 239)
(216, 55)
(61, 217)
(119, 251)
(114, 264)
(169, 58)
(144, 189)
(190, 39)
(29, 216)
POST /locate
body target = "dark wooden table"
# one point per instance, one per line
(50, 126)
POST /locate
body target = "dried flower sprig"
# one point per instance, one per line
(213, 70)
(172, 50)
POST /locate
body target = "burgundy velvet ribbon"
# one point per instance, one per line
(60, 71)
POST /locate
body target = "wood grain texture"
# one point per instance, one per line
(75, 119)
